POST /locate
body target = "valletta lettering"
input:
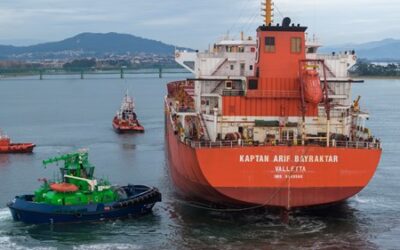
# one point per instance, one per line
(291, 169)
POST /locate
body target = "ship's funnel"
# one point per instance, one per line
(286, 22)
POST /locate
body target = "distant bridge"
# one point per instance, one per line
(84, 72)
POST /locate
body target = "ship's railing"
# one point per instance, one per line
(223, 54)
(358, 144)
(336, 56)
(241, 143)
(233, 93)
(347, 144)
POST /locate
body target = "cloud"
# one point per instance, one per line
(195, 23)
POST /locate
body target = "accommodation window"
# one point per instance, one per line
(251, 67)
(232, 67)
(228, 85)
(295, 45)
(287, 135)
(253, 84)
(270, 44)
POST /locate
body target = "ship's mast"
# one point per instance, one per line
(269, 12)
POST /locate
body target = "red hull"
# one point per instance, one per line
(122, 126)
(251, 176)
(17, 148)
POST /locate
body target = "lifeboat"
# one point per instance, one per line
(64, 187)
(312, 87)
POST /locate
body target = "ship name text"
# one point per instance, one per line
(289, 158)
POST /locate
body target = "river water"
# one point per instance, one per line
(63, 114)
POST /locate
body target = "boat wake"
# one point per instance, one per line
(305, 225)
(377, 202)
(115, 246)
(7, 243)
(361, 200)
(5, 215)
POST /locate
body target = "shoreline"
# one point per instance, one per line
(377, 77)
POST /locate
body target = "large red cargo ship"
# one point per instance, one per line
(268, 122)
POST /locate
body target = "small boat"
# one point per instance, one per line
(126, 119)
(6, 146)
(79, 197)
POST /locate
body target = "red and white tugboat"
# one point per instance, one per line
(126, 119)
(6, 146)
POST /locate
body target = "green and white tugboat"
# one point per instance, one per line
(79, 197)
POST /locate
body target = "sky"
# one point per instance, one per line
(194, 24)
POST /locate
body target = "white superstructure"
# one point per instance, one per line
(224, 70)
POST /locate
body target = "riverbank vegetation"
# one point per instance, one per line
(79, 65)
(368, 69)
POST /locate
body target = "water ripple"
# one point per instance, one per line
(108, 247)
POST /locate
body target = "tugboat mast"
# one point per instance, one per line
(269, 12)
